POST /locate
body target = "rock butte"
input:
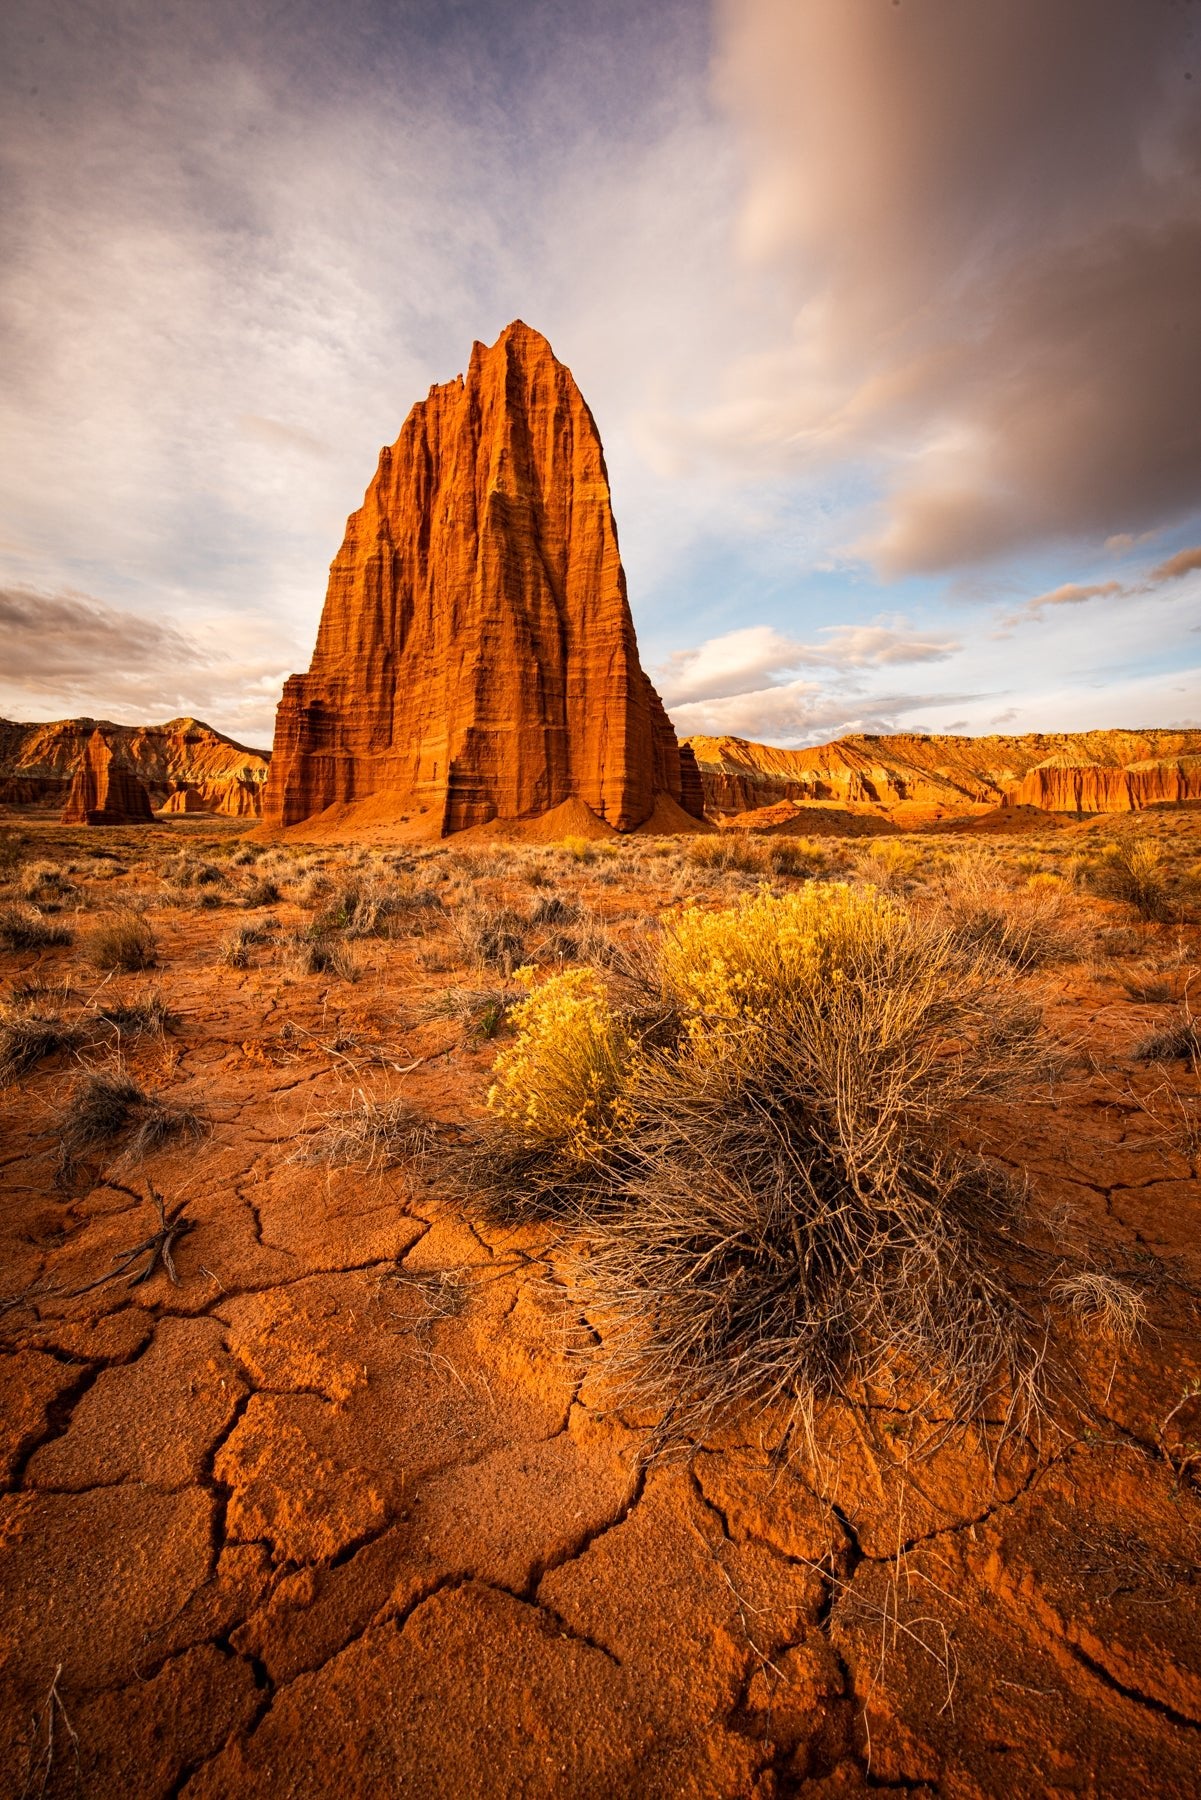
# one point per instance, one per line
(184, 756)
(476, 658)
(1088, 771)
(105, 790)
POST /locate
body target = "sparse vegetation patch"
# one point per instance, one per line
(107, 1105)
(24, 928)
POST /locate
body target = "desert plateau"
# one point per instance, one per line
(614, 1212)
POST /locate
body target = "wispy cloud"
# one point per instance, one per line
(1075, 593)
(1072, 593)
(745, 682)
(1185, 562)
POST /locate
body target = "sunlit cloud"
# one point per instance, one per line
(747, 660)
(993, 287)
(1185, 562)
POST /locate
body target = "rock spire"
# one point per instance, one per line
(105, 790)
(476, 657)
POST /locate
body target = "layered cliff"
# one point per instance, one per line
(104, 789)
(1091, 771)
(183, 756)
(476, 657)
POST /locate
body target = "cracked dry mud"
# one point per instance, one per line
(289, 1529)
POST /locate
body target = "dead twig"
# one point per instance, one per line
(51, 1709)
(156, 1248)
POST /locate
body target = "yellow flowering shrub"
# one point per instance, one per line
(749, 960)
(558, 1083)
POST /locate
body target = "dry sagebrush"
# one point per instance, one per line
(760, 1161)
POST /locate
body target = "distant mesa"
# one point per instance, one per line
(105, 790)
(476, 660)
(916, 779)
(184, 756)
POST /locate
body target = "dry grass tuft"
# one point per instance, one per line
(151, 1017)
(373, 903)
(261, 893)
(32, 1028)
(46, 884)
(739, 852)
(479, 1012)
(1146, 987)
(1134, 872)
(494, 936)
(1102, 1304)
(555, 909)
(368, 1135)
(24, 928)
(322, 952)
(27, 1038)
(893, 864)
(185, 870)
(1179, 1041)
(107, 1105)
(235, 948)
(126, 942)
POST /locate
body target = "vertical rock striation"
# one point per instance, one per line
(476, 657)
(105, 790)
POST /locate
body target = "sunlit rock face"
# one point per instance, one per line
(105, 790)
(1087, 771)
(476, 657)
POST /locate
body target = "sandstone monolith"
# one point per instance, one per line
(476, 657)
(105, 790)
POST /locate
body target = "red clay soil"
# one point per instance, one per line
(344, 1513)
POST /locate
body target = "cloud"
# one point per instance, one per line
(1072, 593)
(734, 663)
(70, 654)
(1183, 563)
(990, 218)
(65, 639)
(757, 656)
(801, 712)
(874, 646)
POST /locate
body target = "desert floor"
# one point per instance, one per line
(345, 1508)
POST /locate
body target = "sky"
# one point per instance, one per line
(889, 313)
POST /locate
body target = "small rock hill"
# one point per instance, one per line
(182, 757)
(476, 658)
(1089, 771)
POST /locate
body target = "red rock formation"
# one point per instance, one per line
(185, 800)
(476, 657)
(1093, 788)
(1092, 771)
(105, 790)
(38, 761)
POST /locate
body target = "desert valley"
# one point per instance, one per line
(600, 1096)
(544, 1258)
